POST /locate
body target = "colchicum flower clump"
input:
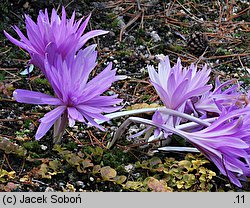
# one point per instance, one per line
(215, 121)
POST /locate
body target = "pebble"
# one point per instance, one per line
(121, 71)
(20, 122)
(61, 184)
(113, 128)
(111, 34)
(155, 36)
(43, 147)
(136, 175)
(91, 179)
(80, 135)
(131, 38)
(111, 58)
(47, 108)
(49, 189)
(110, 92)
(106, 49)
(39, 107)
(75, 128)
(143, 70)
(121, 22)
(31, 126)
(129, 167)
(141, 47)
(80, 183)
(151, 57)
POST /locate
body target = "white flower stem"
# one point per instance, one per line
(178, 149)
(127, 122)
(161, 109)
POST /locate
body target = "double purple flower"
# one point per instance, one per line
(175, 86)
(79, 98)
(66, 34)
(226, 142)
(225, 94)
(54, 46)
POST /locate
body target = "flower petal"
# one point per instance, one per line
(90, 35)
(31, 97)
(48, 120)
(53, 115)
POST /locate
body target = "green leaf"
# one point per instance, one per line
(211, 174)
(96, 169)
(186, 164)
(154, 161)
(107, 172)
(133, 185)
(157, 185)
(10, 147)
(54, 165)
(86, 163)
(44, 171)
(120, 179)
(180, 184)
(189, 180)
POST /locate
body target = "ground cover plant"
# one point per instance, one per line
(191, 130)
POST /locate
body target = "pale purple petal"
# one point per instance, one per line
(31, 97)
(16, 42)
(48, 120)
(90, 35)
(43, 129)
(53, 115)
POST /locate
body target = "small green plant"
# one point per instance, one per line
(10, 147)
(2, 76)
(22, 133)
(189, 174)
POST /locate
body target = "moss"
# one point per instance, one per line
(115, 24)
(139, 41)
(176, 48)
(222, 51)
(41, 81)
(32, 145)
(123, 53)
(2, 76)
(27, 123)
(22, 132)
(71, 145)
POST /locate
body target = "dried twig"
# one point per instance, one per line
(128, 24)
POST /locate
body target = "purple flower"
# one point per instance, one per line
(75, 95)
(176, 86)
(226, 142)
(224, 94)
(66, 34)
